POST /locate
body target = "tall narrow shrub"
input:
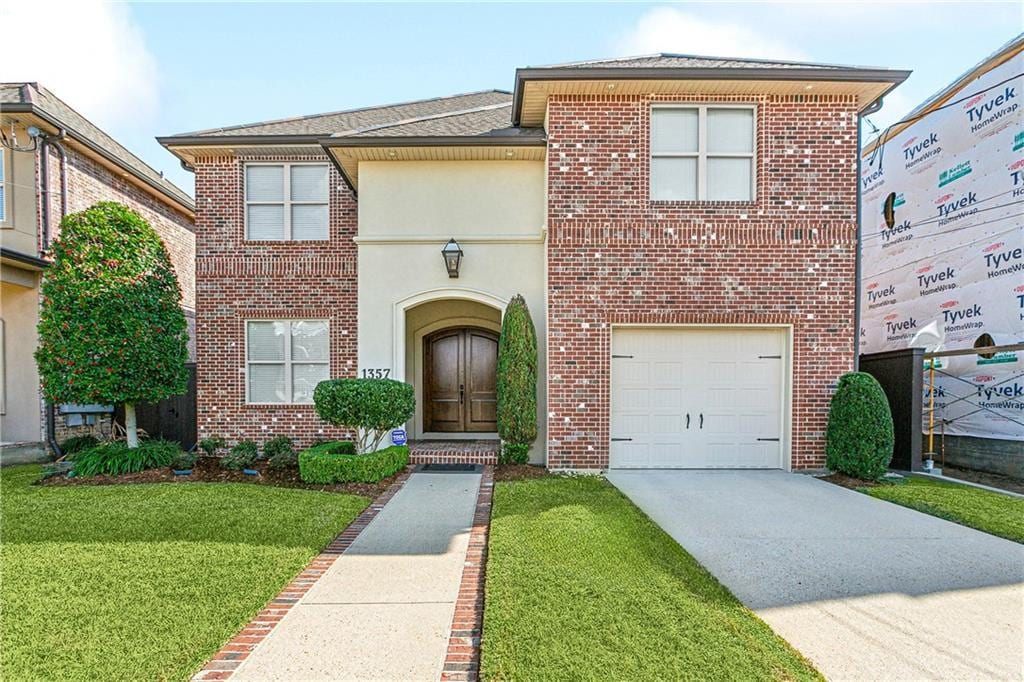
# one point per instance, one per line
(859, 438)
(517, 382)
(110, 327)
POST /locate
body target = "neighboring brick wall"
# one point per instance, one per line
(238, 280)
(616, 257)
(89, 183)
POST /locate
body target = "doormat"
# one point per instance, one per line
(438, 468)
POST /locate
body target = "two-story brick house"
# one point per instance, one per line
(684, 230)
(54, 161)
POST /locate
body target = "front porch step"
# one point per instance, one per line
(453, 451)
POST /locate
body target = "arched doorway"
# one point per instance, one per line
(460, 380)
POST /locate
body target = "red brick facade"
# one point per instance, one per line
(239, 280)
(615, 257)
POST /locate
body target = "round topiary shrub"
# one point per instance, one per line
(369, 407)
(859, 439)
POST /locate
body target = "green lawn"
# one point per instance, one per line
(145, 582)
(993, 513)
(581, 585)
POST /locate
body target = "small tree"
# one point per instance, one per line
(369, 407)
(859, 438)
(110, 327)
(517, 382)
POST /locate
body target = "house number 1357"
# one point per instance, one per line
(376, 373)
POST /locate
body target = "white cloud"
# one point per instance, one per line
(666, 29)
(89, 53)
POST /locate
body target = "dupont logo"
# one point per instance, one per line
(969, 104)
(922, 270)
(943, 199)
(890, 317)
(949, 304)
(1020, 289)
(993, 247)
(1017, 165)
(983, 378)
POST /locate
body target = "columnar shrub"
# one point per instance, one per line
(517, 382)
(859, 438)
(368, 407)
(110, 326)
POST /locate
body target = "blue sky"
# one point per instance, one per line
(163, 68)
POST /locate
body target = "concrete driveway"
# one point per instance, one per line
(864, 588)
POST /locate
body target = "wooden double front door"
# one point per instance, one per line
(460, 369)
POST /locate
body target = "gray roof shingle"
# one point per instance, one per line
(76, 124)
(356, 121)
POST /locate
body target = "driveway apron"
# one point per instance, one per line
(864, 588)
(383, 611)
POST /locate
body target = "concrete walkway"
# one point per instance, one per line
(383, 611)
(866, 589)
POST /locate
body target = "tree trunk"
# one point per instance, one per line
(131, 428)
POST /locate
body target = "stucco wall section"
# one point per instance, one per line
(20, 421)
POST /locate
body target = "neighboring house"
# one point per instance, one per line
(949, 274)
(54, 161)
(683, 229)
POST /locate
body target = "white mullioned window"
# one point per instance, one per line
(286, 201)
(702, 152)
(285, 360)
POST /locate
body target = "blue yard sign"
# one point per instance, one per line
(398, 437)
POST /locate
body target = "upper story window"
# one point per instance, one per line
(286, 201)
(286, 359)
(702, 153)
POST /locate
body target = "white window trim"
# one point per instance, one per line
(286, 203)
(702, 154)
(5, 169)
(287, 362)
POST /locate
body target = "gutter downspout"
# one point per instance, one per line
(44, 180)
(872, 108)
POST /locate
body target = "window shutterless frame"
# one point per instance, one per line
(287, 362)
(286, 202)
(702, 154)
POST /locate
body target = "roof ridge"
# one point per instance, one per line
(419, 119)
(682, 55)
(307, 117)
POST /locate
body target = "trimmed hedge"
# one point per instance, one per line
(115, 458)
(859, 438)
(326, 463)
(517, 383)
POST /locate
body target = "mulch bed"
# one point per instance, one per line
(1015, 485)
(208, 470)
(848, 481)
(519, 472)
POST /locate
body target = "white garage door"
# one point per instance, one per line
(697, 398)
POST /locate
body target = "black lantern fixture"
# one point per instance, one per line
(452, 254)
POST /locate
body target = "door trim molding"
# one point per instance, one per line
(439, 294)
(786, 413)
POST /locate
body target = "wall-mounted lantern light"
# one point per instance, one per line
(452, 254)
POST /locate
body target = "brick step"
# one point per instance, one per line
(454, 451)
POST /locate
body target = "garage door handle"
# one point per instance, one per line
(769, 357)
(614, 440)
(770, 439)
(687, 420)
(702, 420)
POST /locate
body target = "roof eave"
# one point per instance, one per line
(436, 141)
(525, 75)
(35, 110)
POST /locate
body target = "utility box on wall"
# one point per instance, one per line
(900, 374)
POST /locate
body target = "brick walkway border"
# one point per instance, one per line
(462, 662)
(224, 663)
